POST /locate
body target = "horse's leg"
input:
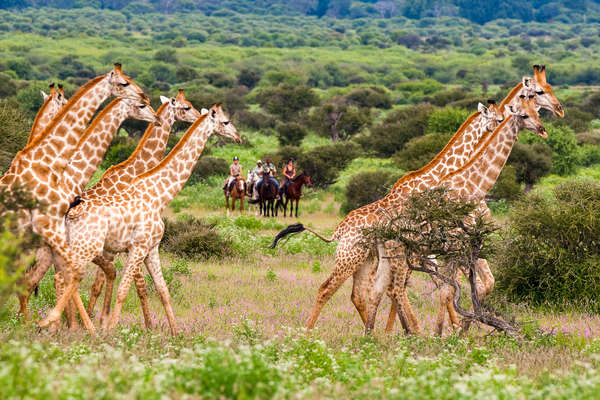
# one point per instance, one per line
(297, 201)
(242, 203)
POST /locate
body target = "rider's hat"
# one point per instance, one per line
(259, 162)
(235, 158)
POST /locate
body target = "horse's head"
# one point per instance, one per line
(241, 185)
(307, 181)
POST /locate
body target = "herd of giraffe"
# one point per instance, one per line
(468, 165)
(122, 212)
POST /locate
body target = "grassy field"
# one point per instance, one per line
(241, 321)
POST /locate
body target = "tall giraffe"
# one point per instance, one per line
(41, 163)
(130, 220)
(472, 182)
(351, 258)
(82, 165)
(53, 102)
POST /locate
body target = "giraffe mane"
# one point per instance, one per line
(439, 155)
(511, 95)
(38, 116)
(138, 148)
(184, 139)
(97, 119)
(64, 110)
(477, 155)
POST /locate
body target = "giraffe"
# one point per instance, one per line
(148, 153)
(53, 102)
(472, 182)
(130, 219)
(84, 162)
(40, 164)
(351, 258)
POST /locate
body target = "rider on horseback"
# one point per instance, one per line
(269, 171)
(289, 172)
(235, 171)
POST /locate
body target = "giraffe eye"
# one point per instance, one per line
(188, 108)
(524, 116)
(124, 84)
(225, 122)
(539, 92)
(143, 106)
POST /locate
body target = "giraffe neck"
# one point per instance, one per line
(476, 178)
(166, 179)
(512, 97)
(92, 147)
(43, 118)
(119, 176)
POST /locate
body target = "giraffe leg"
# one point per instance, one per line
(360, 289)
(106, 272)
(136, 257)
(348, 258)
(32, 278)
(95, 291)
(59, 285)
(142, 292)
(153, 266)
(389, 326)
(399, 296)
(380, 281)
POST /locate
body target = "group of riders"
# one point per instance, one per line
(262, 171)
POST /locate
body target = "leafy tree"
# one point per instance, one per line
(506, 186)
(372, 96)
(14, 131)
(168, 56)
(286, 100)
(366, 187)
(162, 72)
(21, 66)
(324, 163)
(531, 162)
(7, 86)
(30, 97)
(249, 77)
(420, 150)
(338, 120)
(290, 133)
(446, 120)
(185, 73)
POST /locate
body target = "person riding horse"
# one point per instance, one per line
(235, 172)
(269, 172)
(289, 171)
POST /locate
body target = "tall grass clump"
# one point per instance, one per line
(192, 237)
(552, 249)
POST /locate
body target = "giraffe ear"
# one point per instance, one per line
(204, 111)
(44, 95)
(481, 108)
(526, 81)
(164, 99)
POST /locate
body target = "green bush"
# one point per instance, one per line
(420, 150)
(551, 252)
(369, 97)
(563, 143)
(531, 161)
(507, 187)
(286, 100)
(579, 121)
(208, 166)
(14, 131)
(338, 120)
(324, 163)
(589, 154)
(191, 237)
(119, 150)
(290, 133)
(7, 86)
(446, 120)
(366, 187)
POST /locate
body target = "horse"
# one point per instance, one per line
(293, 191)
(266, 196)
(251, 191)
(238, 191)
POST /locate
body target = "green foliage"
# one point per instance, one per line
(286, 100)
(338, 120)
(420, 150)
(506, 187)
(372, 96)
(193, 238)
(7, 86)
(290, 134)
(30, 98)
(14, 130)
(120, 149)
(531, 161)
(551, 252)
(249, 77)
(367, 187)
(324, 163)
(446, 120)
(563, 143)
(208, 166)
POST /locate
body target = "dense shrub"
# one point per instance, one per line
(506, 186)
(563, 143)
(191, 237)
(338, 120)
(589, 154)
(587, 138)
(119, 150)
(372, 96)
(324, 163)
(7, 86)
(31, 99)
(254, 120)
(249, 77)
(531, 161)
(208, 166)
(290, 133)
(14, 131)
(420, 150)
(579, 121)
(446, 120)
(286, 100)
(366, 187)
(398, 128)
(552, 249)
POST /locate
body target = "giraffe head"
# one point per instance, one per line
(544, 97)
(221, 122)
(527, 116)
(492, 117)
(140, 111)
(56, 97)
(122, 86)
(183, 109)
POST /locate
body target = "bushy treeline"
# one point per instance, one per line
(476, 11)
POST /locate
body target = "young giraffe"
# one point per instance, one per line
(40, 164)
(148, 153)
(471, 182)
(84, 162)
(53, 103)
(351, 258)
(130, 220)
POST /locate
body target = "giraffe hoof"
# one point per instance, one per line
(52, 317)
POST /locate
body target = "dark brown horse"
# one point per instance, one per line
(266, 197)
(238, 191)
(293, 191)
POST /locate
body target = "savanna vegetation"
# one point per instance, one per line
(358, 93)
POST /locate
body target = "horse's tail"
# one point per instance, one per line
(295, 228)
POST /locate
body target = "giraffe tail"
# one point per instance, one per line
(296, 228)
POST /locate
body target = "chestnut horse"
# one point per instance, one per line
(293, 191)
(238, 191)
